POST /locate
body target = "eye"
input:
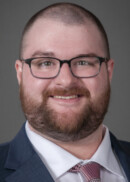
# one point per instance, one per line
(43, 63)
(82, 62)
(85, 62)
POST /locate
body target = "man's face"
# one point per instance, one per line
(65, 108)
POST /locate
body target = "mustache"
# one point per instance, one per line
(79, 91)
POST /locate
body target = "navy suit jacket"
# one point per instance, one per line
(20, 163)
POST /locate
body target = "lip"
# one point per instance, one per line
(66, 99)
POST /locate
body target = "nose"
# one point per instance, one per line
(65, 77)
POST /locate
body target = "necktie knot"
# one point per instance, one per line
(90, 171)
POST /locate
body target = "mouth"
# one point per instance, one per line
(68, 97)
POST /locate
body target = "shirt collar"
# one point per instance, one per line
(51, 154)
(106, 157)
(54, 156)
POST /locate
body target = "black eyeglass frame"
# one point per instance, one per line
(101, 60)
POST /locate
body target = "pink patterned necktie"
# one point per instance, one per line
(90, 171)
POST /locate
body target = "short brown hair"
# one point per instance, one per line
(69, 14)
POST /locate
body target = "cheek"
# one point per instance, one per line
(33, 87)
(97, 85)
(92, 85)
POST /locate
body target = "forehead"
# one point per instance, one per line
(55, 36)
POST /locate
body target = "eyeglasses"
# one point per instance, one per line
(80, 67)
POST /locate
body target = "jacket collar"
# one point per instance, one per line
(25, 162)
(123, 153)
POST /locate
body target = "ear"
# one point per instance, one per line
(19, 69)
(110, 67)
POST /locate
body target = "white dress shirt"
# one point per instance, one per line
(58, 161)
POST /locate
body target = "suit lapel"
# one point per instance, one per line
(24, 161)
(123, 153)
(31, 171)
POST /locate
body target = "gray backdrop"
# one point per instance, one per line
(114, 14)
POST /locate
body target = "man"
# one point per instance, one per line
(64, 73)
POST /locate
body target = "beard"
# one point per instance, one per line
(65, 126)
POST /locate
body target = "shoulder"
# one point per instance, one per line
(125, 145)
(4, 148)
(120, 144)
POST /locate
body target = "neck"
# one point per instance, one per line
(82, 149)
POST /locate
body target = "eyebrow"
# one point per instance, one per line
(40, 53)
(89, 54)
(52, 54)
